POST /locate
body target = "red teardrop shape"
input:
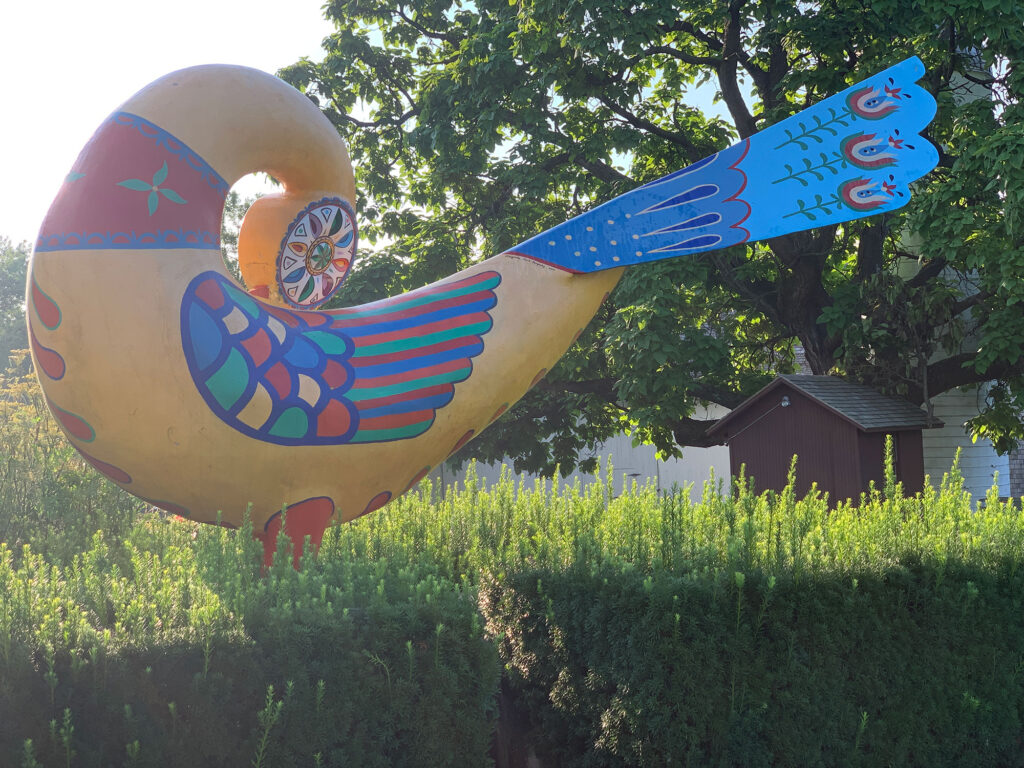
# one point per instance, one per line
(74, 424)
(51, 363)
(377, 502)
(462, 441)
(116, 474)
(46, 308)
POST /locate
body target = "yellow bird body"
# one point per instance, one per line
(125, 392)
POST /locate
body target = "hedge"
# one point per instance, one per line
(634, 630)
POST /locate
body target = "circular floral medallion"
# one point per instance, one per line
(317, 252)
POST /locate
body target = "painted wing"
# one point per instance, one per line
(374, 373)
(851, 155)
(409, 351)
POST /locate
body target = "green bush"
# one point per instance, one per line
(638, 630)
(904, 667)
(767, 631)
(169, 651)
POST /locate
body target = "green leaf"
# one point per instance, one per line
(160, 176)
(173, 196)
(152, 202)
(137, 184)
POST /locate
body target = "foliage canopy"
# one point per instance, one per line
(476, 125)
(13, 272)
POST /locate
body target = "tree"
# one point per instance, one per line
(235, 207)
(13, 272)
(475, 126)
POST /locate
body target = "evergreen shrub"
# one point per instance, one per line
(166, 650)
(905, 667)
(626, 630)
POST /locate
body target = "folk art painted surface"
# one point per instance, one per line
(206, 398)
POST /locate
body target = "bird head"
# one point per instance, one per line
(295, 248)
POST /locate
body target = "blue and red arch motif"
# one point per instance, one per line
(135, 186)
(374, 373)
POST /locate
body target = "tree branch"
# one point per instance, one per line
(598, 168)
(971, 301)
(685, 431)
(758, 292)
(682, 25)
(334, 117)
(638, 122)
(930, 270)
(869, 250)
(603, 388)
(727, 73)
(778, 68)
(601, 170)
(428, 33)
(959, 371)
(700, 61)
(692, 432)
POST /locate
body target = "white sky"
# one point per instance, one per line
(67, 64)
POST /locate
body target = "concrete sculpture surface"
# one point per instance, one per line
(206, 398)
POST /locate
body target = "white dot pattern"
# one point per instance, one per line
(648, 222)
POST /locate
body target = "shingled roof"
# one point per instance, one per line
(866, 408)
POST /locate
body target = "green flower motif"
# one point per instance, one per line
(153, 188)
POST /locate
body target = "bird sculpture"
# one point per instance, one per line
(214, 400)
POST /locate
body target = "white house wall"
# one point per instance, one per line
(638, 464)
(978, 461)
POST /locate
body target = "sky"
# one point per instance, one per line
(66, 64)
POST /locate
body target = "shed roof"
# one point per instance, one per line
(865, 408)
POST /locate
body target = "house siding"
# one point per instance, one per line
(638, 464)
(978, 460)
(1016, 461)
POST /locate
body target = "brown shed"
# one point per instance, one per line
(836, 429)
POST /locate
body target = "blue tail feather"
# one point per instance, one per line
(851, 155)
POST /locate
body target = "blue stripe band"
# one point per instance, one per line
(418, 321)
(408, 406)
(427, 360)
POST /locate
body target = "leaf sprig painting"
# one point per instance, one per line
(154, 189)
